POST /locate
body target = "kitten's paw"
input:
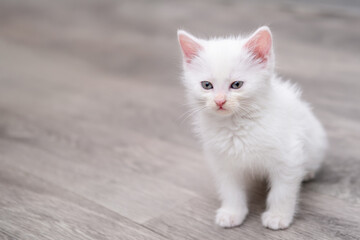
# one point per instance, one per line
(230, 218)
(275, 221)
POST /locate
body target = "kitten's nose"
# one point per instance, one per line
(220, 102)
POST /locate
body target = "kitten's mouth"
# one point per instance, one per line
(221, 111)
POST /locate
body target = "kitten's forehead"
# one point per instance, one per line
(223, 56)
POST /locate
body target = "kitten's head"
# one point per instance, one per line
(226, 76)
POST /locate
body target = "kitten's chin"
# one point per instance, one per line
(223, 112)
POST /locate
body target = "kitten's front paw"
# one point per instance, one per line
(230, 218)
(275, 220)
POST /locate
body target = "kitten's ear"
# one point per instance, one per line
(260, 44)
(190, 45)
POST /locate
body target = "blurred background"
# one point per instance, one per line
(95, 142)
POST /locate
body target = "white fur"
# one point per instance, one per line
(267, 131)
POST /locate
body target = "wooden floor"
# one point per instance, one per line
(93, 144)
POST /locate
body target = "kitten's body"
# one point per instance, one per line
(262, 129)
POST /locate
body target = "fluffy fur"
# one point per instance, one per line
(264, 129)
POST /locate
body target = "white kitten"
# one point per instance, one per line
(251, 123)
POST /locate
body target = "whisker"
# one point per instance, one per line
(192, 113)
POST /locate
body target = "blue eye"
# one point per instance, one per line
(236, 84)
(207, 85)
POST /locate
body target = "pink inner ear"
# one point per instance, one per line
(189, 47)
(260, 45)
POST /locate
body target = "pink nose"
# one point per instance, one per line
(220, 102)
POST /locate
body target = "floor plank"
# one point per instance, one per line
(321, 217)
(31, 208)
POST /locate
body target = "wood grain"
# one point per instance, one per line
(316, 220)
(31, 208)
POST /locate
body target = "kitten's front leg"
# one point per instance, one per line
(281, 201)
(232, 192)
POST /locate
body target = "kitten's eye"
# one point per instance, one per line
(206, 85)
(236, 84)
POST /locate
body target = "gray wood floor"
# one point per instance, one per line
(92, 142)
